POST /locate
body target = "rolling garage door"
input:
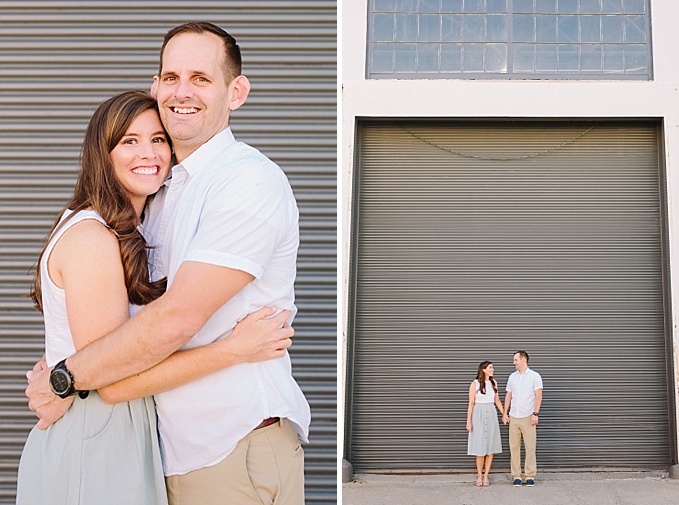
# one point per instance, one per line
(59, 60)
(474, 240)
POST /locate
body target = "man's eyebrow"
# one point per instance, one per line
(190, 72)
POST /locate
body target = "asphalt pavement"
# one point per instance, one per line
(568, 488)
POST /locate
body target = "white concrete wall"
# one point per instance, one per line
(460, 98)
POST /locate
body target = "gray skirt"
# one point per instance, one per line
(484, 438)
(97, 454)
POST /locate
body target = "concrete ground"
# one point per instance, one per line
(609, 488)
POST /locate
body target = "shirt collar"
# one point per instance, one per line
(200, 158)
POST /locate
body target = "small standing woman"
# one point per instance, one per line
(482, 424)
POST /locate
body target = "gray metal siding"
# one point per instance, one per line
(474, 240)
(59, 60)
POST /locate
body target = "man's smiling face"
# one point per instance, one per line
(192, 91)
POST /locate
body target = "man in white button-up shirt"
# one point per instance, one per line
(227, 241)
(522, 410)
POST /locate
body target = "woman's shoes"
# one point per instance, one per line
(482, 481)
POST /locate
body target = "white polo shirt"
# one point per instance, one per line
(229, 205)
(523, 386)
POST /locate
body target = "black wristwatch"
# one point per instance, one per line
(536, 414)
(62, 383)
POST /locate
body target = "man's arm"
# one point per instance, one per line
(183, 367)
(538, 404)
(162, 327)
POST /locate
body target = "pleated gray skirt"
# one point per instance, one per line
(484, 438)
(97, 454)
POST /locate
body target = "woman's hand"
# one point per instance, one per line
(469, 426)
(40, 365)
(47, 406)
(261, 336)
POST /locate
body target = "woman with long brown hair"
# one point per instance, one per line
(482, 423)
(92, 275)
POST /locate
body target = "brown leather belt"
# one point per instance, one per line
(267, 422)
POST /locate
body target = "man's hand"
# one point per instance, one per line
(261, 336)
(47, 406)
(505, 419)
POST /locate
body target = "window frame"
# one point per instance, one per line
(509, 43)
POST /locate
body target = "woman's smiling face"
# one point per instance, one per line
(141, 160)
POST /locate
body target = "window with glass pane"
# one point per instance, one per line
(551, 39)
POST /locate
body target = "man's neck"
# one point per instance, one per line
(182, 153)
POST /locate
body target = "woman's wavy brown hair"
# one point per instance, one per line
(98, 188)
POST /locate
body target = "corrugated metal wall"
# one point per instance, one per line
(60, 59)
(474, 240)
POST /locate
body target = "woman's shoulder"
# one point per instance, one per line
(70, 219)
(87, 233)
(86, 248)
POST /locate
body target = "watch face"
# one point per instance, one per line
(59, 381)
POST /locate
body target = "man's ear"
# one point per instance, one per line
(154, 86)
(238, 91)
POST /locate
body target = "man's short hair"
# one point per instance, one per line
(523, 354)
(232, 58)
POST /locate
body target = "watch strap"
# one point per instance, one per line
(60, 369)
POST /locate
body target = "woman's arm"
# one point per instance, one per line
(498, 403)
(470, 408)
(86, 263)
(183, 367)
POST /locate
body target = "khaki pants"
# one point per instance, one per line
(266, 468)
(520, 427)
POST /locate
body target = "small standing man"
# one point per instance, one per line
(522, 408)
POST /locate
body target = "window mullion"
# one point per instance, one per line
(510, 38)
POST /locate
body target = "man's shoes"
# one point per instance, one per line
(530, 482)
(517, 483)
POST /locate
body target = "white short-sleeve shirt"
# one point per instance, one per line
(523, 386)
(228, 205)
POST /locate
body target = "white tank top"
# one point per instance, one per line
(489, 395)
(58, 338)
